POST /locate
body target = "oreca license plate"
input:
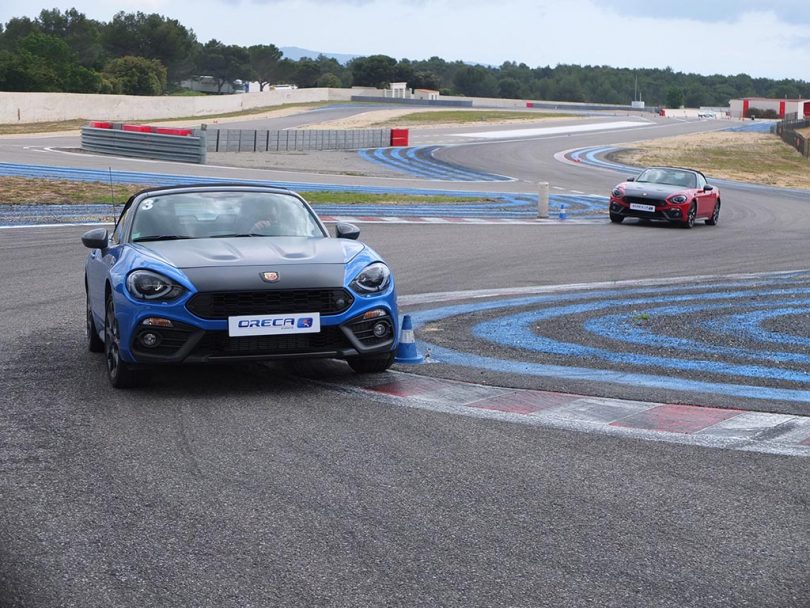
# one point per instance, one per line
(640, 207)
(270, 325)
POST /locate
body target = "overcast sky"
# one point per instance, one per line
(770, 39)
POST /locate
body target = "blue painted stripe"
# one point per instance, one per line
(419, 160)
(515, 332)
(622, 328)
(749, 325)
(503, 331)
(464, 359)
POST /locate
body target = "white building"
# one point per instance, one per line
(741, 108)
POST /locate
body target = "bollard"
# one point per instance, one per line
(542, 199)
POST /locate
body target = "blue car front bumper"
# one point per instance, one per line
(166, 333)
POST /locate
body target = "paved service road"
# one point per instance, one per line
(249, 486)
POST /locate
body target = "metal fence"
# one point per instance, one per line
(113, 139)
(788, 131)
(245, 140)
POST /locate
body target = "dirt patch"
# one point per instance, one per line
(61, 191)
(760, 158)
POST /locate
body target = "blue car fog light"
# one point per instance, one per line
(149, 339)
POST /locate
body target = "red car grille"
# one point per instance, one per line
(644, 200)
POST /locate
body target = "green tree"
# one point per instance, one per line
(154, 37)
(476, 81)
(373, 71)
(329, 81)
(137, 75)
(45, 63)
(264, 63)
(425, 80)
(510, 88)
(15, 30)
(225, 63)
(675, 97)
(81, 34)
(695, 96)
(307, 72)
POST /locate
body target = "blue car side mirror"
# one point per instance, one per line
(347, 231)
(95, 239)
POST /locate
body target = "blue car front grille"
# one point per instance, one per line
(221, 305)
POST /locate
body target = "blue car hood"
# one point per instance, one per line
(232, 264)
(252, 251)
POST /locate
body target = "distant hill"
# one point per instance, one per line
(295, 53)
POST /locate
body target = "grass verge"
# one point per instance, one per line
(760, 158)
(20, 190)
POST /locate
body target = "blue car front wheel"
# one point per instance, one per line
(94, 343)
(119, 373)
(371, 364)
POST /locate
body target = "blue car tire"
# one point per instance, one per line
(119, 373)
(372, 364)
(94, 343)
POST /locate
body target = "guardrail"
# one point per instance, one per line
(246, 140)
(192, 145)
(585, 107)
(787, 130)
(143, 141)
(450, 103)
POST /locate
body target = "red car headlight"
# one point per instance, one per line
(678, 199)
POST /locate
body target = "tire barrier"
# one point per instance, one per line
(144, 141)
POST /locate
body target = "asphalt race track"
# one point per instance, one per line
(261, 485)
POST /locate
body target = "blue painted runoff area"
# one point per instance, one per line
(782, 296)
(623, 329)
(419, 161)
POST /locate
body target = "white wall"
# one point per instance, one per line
(16, 108)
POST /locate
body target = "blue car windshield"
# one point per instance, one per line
(672, 177)
(202, 215)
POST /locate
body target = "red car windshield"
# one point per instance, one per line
(672, 177)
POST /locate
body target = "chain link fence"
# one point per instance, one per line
(788, 130)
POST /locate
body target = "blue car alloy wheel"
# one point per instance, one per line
(233, 272)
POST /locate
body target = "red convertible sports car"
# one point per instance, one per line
(666, 193)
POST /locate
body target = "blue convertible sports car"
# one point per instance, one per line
(233, 272)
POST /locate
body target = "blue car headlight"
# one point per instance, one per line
(372, 279)
(148, 285)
